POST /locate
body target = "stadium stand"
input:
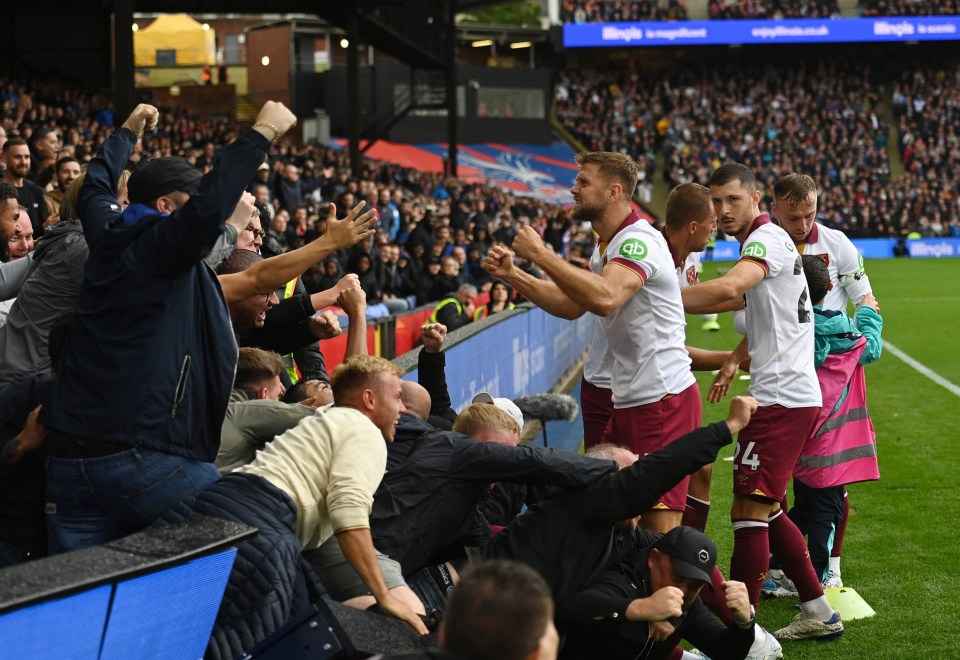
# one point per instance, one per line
(611, 11)
(909, 8)
(737, 9)
(824, 119)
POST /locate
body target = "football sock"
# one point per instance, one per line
(835, 565)
(788, 545)
(751, 555)
(818, 608)
(695, 514)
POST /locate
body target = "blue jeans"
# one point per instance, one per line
(94, 500)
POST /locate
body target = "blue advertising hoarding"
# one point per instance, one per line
(786, 31)
(869, 248)
(525, 354)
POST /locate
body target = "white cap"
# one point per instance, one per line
(506, 405)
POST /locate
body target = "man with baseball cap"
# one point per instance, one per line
(160, 178)
(506, 405)
(649, 599)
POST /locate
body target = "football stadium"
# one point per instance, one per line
(479, 330)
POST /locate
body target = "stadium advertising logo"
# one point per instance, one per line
(755, 250)
(932, 249)
(899, 30)
(795, 31)
(633, 248)
(626, 35)
(510, 168)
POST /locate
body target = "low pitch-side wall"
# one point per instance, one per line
(511, 354)
(870, 248)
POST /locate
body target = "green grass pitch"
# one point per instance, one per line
(902, 547)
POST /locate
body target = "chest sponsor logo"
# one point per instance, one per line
(691, 275)
(633, 248)
(755, 250)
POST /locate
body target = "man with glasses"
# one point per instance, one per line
(251, 238)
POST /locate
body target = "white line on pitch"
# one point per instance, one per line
(917, 366)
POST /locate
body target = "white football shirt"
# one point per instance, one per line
(598, 367)
(850, 282)
(688, 273)
(779, 321)
(646, 334)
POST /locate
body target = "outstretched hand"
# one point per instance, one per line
(527, 243)
(353, 300)
(143, 118)
(276, 115)
(348, 281)
(871, 302)
(325, 325)
(741, 410)
(499, 261)
(243, 212)
(31, 437)
(737, 600)
(433, 335)
(398, 610)
(352, 229)
(661, 630)
(721, 382)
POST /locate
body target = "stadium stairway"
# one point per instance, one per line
(897, 168)
(247, 110)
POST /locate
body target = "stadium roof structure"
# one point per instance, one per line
(419, 33)
(411, 31)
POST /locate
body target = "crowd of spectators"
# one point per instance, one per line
(822, 119)
(613, 112)
(926, 105)
(613, 11)
(909, 7)
(433, 230)
(761, 9)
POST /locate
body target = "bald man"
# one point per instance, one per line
(416, 399)
(428, 408)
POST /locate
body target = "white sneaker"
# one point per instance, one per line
(804, 628)
(767, 649)
(777, 585)
(832, 581)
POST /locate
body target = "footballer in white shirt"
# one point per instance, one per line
(779, 323)
(632, 286)
(795, 209)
